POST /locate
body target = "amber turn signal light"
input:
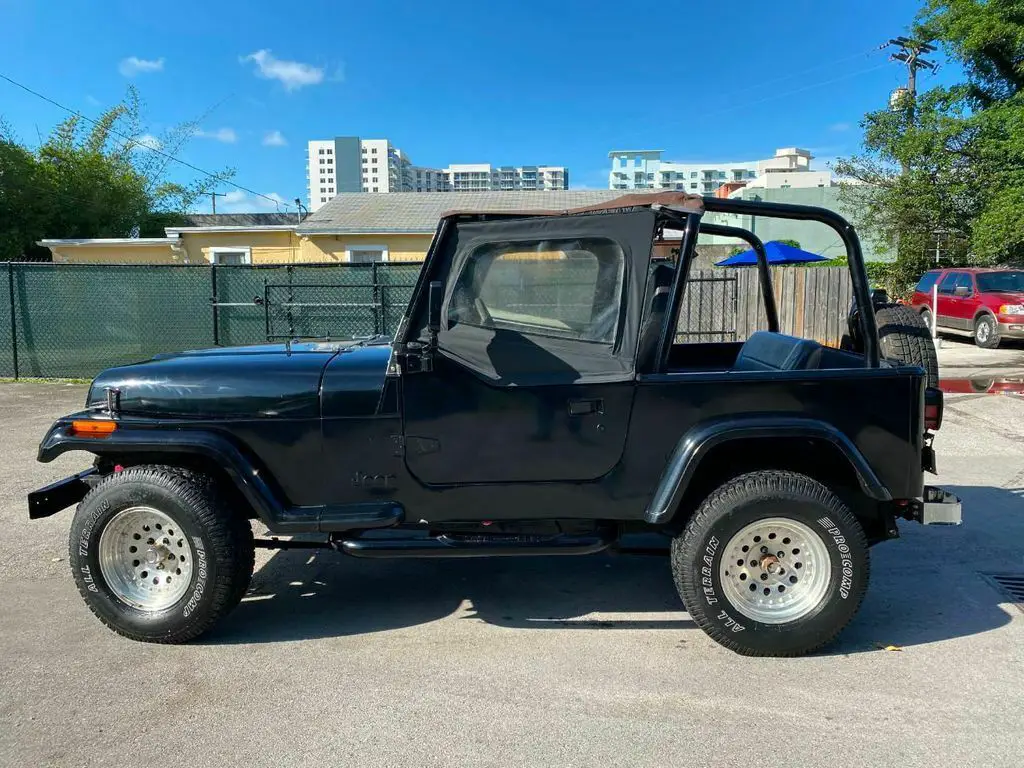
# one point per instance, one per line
(91, 428)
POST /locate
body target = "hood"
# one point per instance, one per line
(258, 382)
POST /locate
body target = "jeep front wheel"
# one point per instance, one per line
(771, 564)
(158, 555)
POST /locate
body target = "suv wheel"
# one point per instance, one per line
(771, 564)
(926, 316)
(986, 333)
(158, 555)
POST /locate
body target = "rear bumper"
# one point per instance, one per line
(60, 495)
(936, 507)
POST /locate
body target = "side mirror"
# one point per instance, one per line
(434, 300)
(962, 290)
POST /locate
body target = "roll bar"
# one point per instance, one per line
(763, 270)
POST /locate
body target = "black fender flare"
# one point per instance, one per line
(241, 470)
(692, 447)
(205, 443)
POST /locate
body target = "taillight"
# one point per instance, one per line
(932, 408)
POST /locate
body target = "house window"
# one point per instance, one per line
(622, 161)
(330, 161)
(323, 199)
(693, 185)
(330, 151)
(693, 174)
(365, 254)
(364, 150)
(364, 179)
(373, 152)
(374, 189)
(321, 151)
(330, 189)
(231, 256)
(374, 179)
(321, 161)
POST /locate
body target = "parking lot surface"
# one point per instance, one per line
(501, 662)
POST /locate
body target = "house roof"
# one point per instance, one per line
(419, 212)
(237, 220)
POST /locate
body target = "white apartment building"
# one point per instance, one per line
(644, 169)
(483, 177)
(351, 164)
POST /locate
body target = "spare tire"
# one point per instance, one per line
(904, 336)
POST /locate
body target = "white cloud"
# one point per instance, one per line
(275, 139)
(224, 135)
(292, 74)
(133, 66)
(149, 141)
(237, 201)
(839, 127)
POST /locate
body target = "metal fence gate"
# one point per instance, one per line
(708, 309)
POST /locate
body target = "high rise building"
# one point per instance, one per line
(351, 164)
(644, 169)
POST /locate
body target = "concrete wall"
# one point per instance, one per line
(116, 254)
(812, 236)
(268, 247)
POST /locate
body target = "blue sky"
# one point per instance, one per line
(558, 82)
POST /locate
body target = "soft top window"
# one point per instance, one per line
(561, 288)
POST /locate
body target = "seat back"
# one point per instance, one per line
(769, 351)
(659, 287)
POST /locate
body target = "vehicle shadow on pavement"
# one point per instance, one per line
(928, 586)
(307, 594)
(924, 588)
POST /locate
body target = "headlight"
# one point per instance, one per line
(1011, 309)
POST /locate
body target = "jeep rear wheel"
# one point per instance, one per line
(157, 554)
(771, 564)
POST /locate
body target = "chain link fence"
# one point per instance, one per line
(74, 320)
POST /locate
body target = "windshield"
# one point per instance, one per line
(1001, 282)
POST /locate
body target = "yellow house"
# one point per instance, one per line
(352, 227)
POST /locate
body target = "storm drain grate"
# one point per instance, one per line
(1010, 584)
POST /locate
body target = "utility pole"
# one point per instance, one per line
(213, 198)
(910, 53)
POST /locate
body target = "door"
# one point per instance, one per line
(533, 379)
(946, 300)
(963, 302)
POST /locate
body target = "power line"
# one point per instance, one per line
(134, 142)
(774, 96)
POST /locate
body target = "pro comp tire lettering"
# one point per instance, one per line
(197, 595)
(846, 581)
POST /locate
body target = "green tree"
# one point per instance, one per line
(942, 177)
(93, 179)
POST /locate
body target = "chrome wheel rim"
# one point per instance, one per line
(983, 331)
(775, 570)
(145, 558)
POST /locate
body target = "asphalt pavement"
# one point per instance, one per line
(508, 662)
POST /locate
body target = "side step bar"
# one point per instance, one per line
(448, 545)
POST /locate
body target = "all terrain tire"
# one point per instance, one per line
(158, 555)
(771, 564)
(905, 336)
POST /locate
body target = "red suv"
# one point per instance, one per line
(987, 304)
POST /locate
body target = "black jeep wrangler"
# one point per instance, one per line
(534, 401)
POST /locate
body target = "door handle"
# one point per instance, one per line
(585, 407)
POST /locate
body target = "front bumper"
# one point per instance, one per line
(1013, 329)
(60, 495)
(936, 507)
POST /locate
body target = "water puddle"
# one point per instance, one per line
(1012, 385)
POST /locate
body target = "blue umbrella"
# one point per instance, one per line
(778, 253)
